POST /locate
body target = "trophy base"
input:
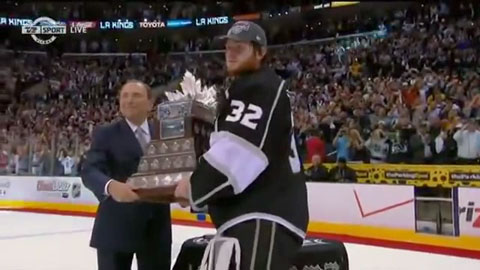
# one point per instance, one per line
(164, 194)
(158, 188)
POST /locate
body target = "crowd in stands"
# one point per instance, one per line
(412, 96)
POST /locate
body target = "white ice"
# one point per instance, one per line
(50, 242)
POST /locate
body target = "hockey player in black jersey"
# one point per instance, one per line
(250, 179)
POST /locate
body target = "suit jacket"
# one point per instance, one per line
(348, 175)
(317, 173)
(124, 227)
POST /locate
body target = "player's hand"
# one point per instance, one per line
(182, 192)
(122, 192)
(183, 203)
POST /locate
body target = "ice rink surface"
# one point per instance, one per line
(50, 242)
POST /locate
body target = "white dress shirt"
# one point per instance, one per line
(146, 133)
(145, 129)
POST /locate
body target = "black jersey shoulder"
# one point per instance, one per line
(261, 84)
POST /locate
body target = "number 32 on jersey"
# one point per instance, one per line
(247, 118)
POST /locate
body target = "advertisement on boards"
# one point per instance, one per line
(469, 211)
(419, 175)
(54, 188)
(359, 204)
(4, 187)
(45, 189)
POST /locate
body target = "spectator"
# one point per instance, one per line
(468, 142)
(315, 146)
(362, 119)
(81, 159)
(358, 150)
(67, 162)
(21, 161)
(419, 145)
(4, 159)
(342, 143)
(398, 151)
(342, 173)
(48, 161)
(378, 146)
(317, 172)
(445, 147)
(37, 162)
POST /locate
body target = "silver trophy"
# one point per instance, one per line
(181, 136)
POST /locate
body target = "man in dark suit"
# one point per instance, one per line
(123, 225)
(342, 173)
(317, 172)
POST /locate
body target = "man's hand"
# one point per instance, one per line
(122, 192)
(182, 192)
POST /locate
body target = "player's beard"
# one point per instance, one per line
(244, 66)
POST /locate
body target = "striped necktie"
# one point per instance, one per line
(141, 137)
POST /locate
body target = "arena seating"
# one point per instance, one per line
(402, 94)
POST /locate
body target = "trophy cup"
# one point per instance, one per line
(181, 136)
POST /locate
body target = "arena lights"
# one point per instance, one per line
(336, 4)
(327, 5)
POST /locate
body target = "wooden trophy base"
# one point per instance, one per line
(157, 188)
(163, 194)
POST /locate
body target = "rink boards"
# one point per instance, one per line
(382, 215)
